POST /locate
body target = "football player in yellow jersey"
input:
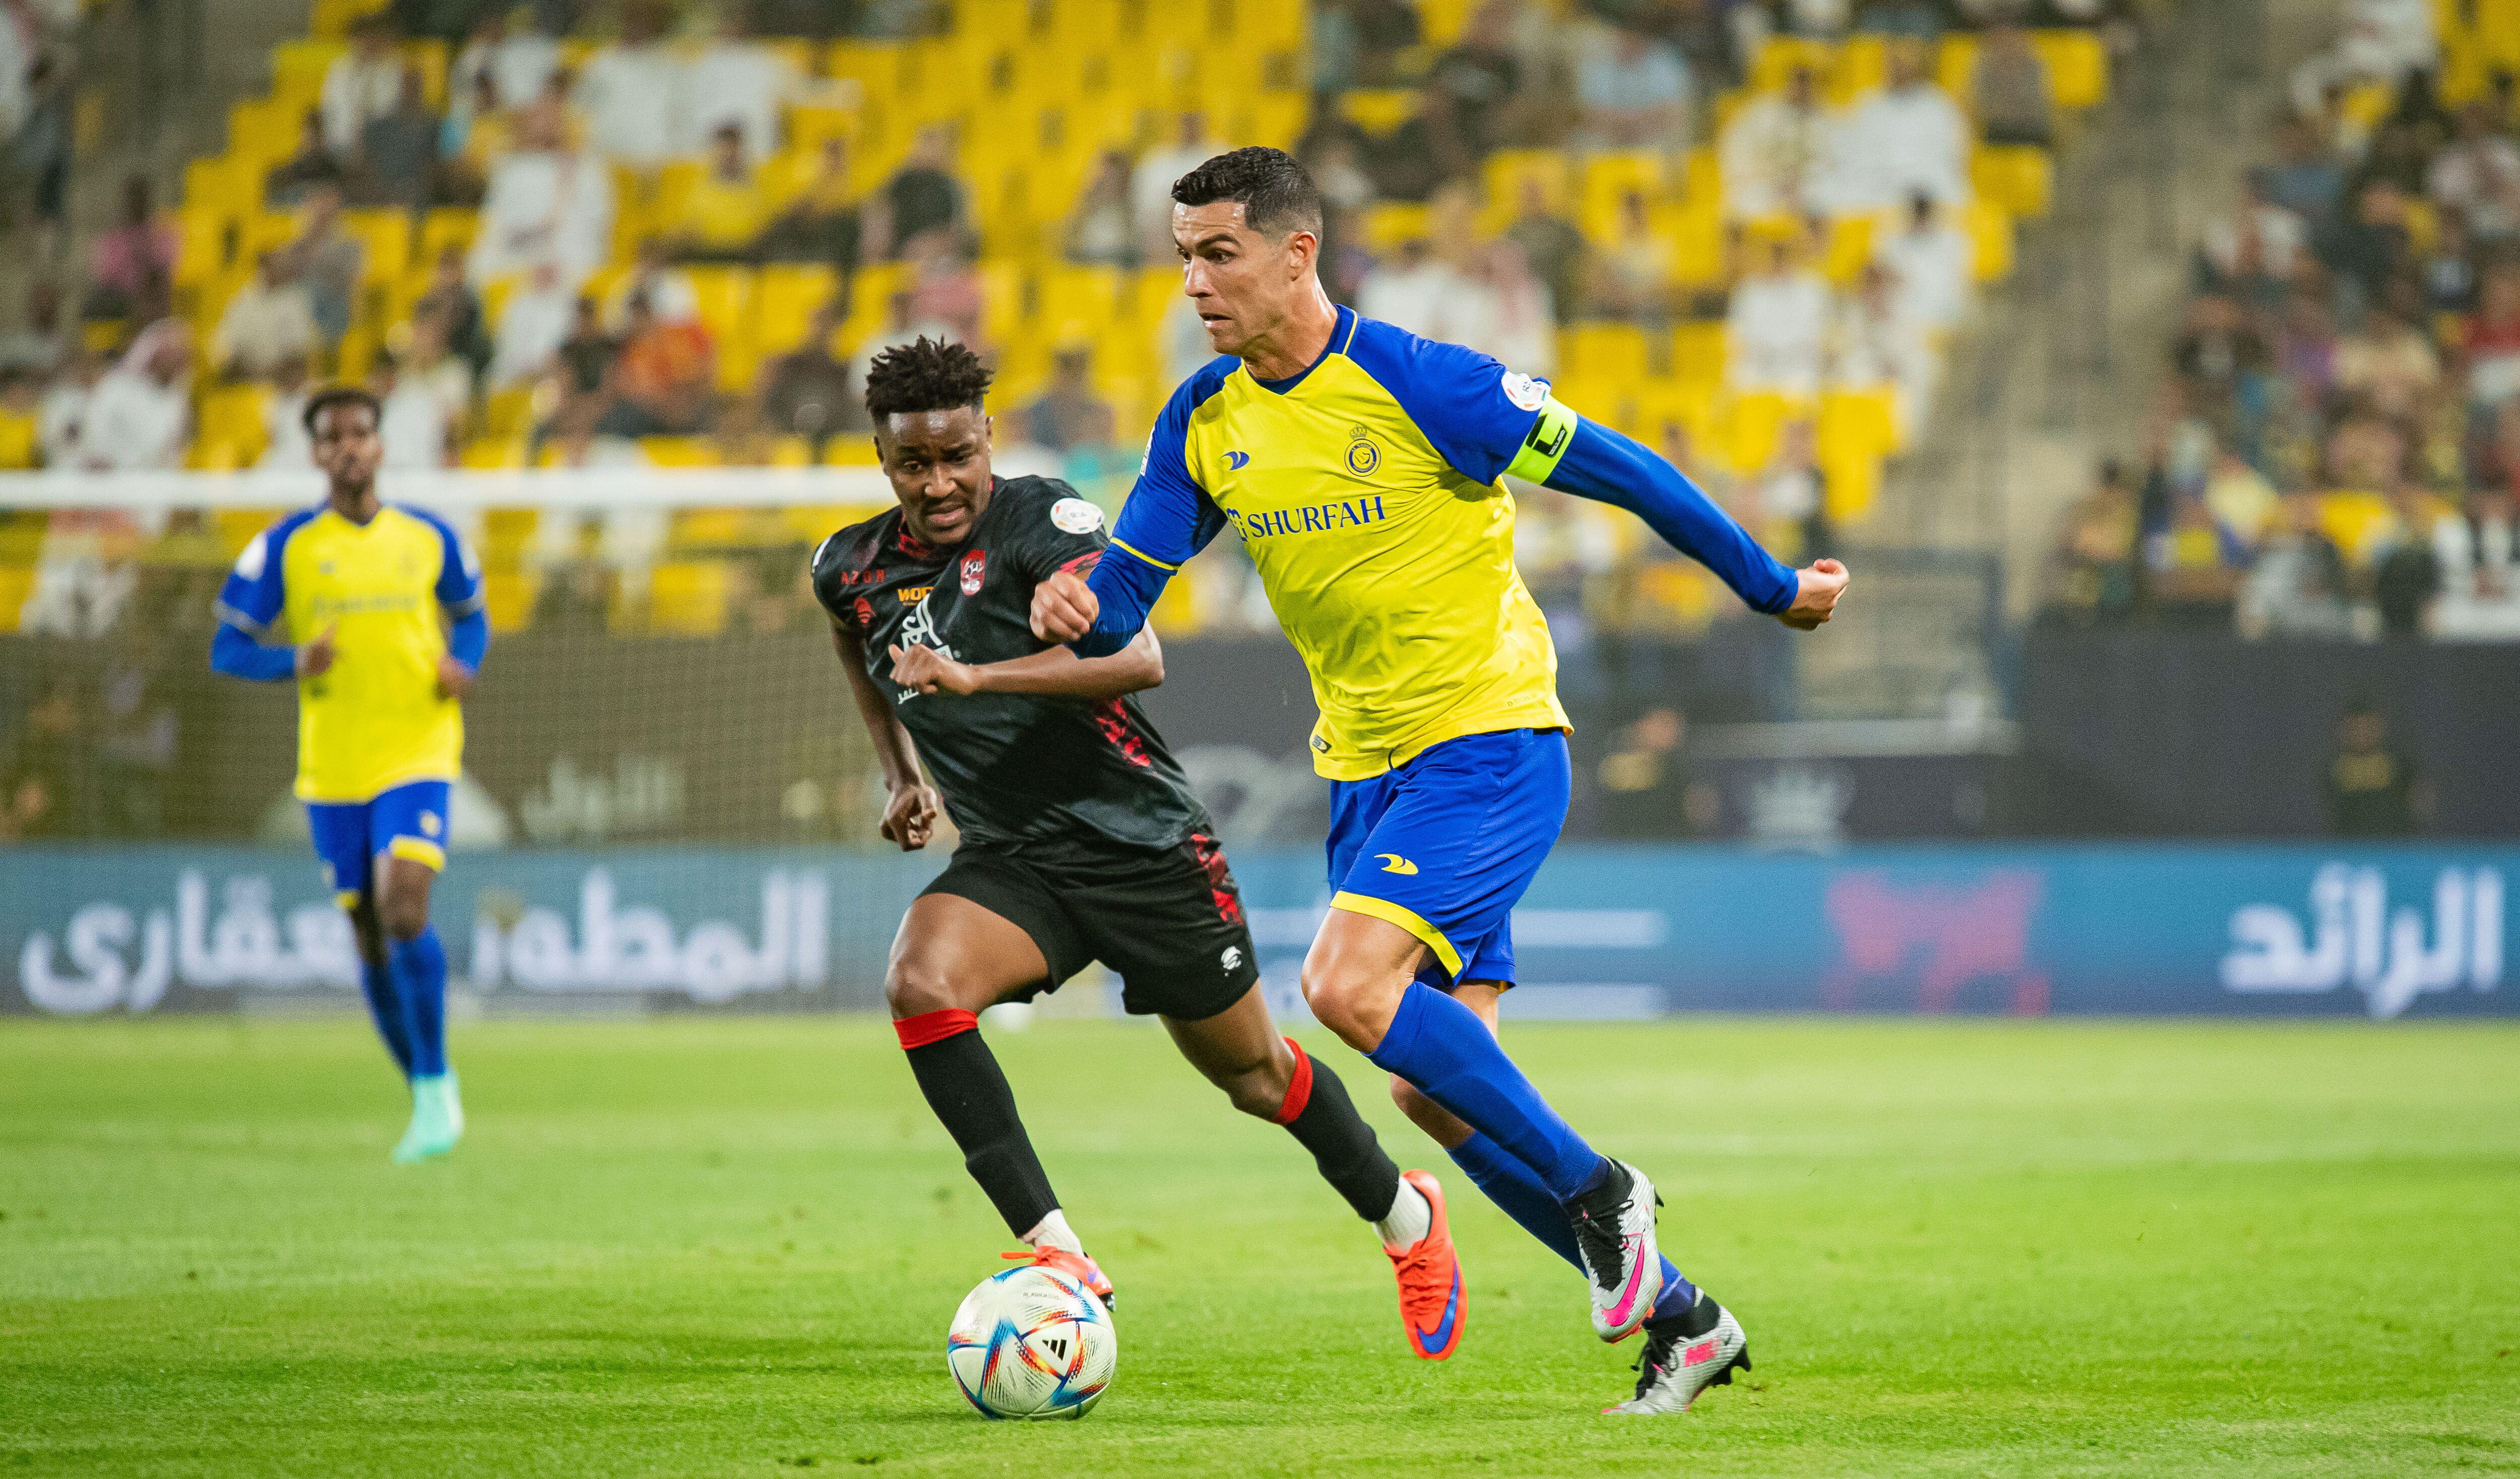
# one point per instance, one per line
(1359, 464)
(345, 598)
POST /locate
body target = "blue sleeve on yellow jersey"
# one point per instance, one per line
(1462, 399)
(1610, 468)
(459, 589)
(238, 656)
(249, 602)
(1168, 518)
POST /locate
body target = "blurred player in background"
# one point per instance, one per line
(345, 598)
(1360, 465)
(1081, 839)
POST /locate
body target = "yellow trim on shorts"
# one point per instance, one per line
(1384, 909)
(419, 850)
(347, 898)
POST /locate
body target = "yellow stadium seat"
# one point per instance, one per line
(688, 598)
(1757, 423)
(1850, 247)
(507, 413)
(431, 57)
(17, 583)
(725, 299)
(697, 528)
(1388, 225)
(1602, 352)
(1700, 258)
(2078, 68)
(1609, 180)
(235, 528)
(1777, 58)
(791, 451)
(849, 452)
(2356, 521)
(229, 428)
(1698, 353)
(444, 227)
(1989, 230)
(297, 67)
(1850, 484)
(1955, 67)
(509, 597)
(1378, 111)
(494, 454)
(2019, 177)
(1508, 169)
(506, 533)
(262, 132)
(785, 299)
(209, 245)
(386, 237)
(1858, 422)
(1861, 65)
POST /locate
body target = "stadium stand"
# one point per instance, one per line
(673, 241)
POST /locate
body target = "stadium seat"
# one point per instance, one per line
(1609, 180)
(2019, 177)
(1850, 247)
(17, 583)
(230, 429)
(1596, 353)
(688, 598)
(679, 451)
(2078, 68)
(1378, 111)
(1388, 225)
(1698, 353)
(509, 597)
(446, 226)
(1989, 230)
(725, 299)
(785, 299)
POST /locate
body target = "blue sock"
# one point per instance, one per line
(1441, 1046)
(385, 1005)
(420, 970)
(1512, 1185)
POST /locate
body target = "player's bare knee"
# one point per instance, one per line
(403, 918)
(915, 987)
(1338, 1000)
(368, 929)
(1259, 1088)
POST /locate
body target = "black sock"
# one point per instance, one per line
(1318, 1113)
(1693, 1322)
(961, 1078)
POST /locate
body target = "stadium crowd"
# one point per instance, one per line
(645, 231)
(2336, 450)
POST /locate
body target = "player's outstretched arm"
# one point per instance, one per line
(910, 816)
(468, 642)
(1054, 672)
(1591, 460)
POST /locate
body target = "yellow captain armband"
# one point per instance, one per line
(1548, 442)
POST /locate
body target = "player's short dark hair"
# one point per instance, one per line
(925, 375)
(1277, 195)
(342, 395)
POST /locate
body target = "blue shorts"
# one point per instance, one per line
(406, 822)
(1445, 845)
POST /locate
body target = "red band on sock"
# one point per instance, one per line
(1299, 1089)
(935, 1026)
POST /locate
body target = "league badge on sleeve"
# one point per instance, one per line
(1074, 515)
(1524, 391)
(975, 572)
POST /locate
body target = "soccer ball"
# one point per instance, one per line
(1032, 1342)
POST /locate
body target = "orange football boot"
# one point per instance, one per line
(1431, 1279)
(1076, 1266)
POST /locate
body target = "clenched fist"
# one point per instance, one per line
(1064, 607)
(1821, 582)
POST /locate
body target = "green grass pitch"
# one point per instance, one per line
(718, 1246)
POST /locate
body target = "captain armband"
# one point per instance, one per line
(1550, 438)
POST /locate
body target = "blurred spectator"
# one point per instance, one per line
(2386, 363)
(1648, 790)
(40, 152)
(1100, 230)
(2242, 500)
(2192, 568)
(1338, 171)
(1777, 152)
(2252, 252)
(945, 288)
(1632, 272)
(140, 417)
(580, 376)
(41, 345)
(662, 381)
(425, 364)
(1068, 413)
(2372, 244)
(1917, 19)
(2405, 568)
(1408, 289)
(469, 141)
(63, 416)
(2372, 786)
(1634, 92)
(286, 442)
(2492, 339)
(516, 64)
(131, 268)
(1908, 139)
(1471, 90)
(1873, 344)
(807, 391)
(2305, 179)
(2015, 105)
(2305, 349)
(2478, 176)
(2299, 586)
(2364, 451)
(1791, 495)
(457, 308)
(921, 197)
(398, 151)
(821, 223)
(1517, 320)
(1818, 20)
(547, 205)
(630, 91)
(2092, 574)
(313, 164)
(1153, 188)
(2381, 41)
(532, 327)
(723, 218)
(1552, 245)
(668, 288)
(2479, 567)
(360, 84)
(1776, 331)
(267, 320)
(417, 428)
(737, 80)
(329, 261)
(1699, 31)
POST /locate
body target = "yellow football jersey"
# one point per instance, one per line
(376, 719)
(1366, 492)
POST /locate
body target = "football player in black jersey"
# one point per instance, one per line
(1081, 840)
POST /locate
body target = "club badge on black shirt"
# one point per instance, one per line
(1014, 768)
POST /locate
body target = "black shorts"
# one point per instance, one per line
(1168, 921)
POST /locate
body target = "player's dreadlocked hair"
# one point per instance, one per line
(924, 375)
(1277, 195)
